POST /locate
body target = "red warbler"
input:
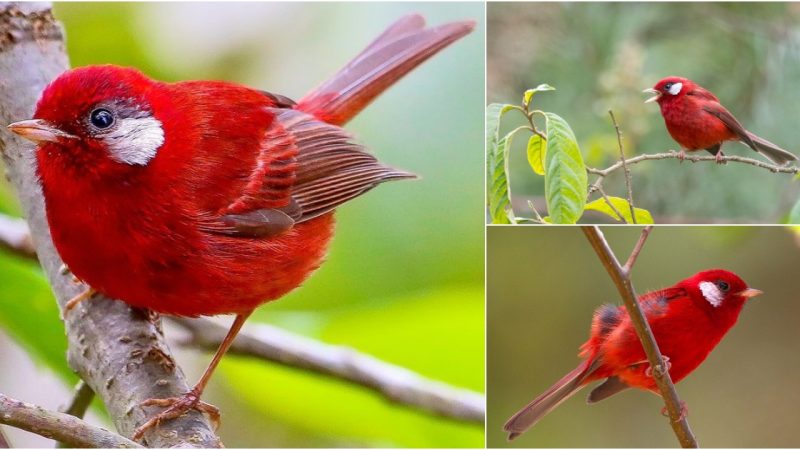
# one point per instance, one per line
(688, 320)
(207, 197)
(697, 121)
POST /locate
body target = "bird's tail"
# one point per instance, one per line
(397, 51)
(549, 399)
(775, 154)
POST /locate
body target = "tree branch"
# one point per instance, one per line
(672, 154)
(14, 236)
(393, 382)
(4, 442)
(59, 426)
(118, 351)
(621, 277)
(628, 181)
(80, 401)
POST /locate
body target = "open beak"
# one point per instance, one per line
(750, 293)
(656, 95)
(38, 130)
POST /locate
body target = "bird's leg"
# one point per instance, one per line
(178, 406)
(681, 155)
(684, 411)
(73, 302)
(719, 158)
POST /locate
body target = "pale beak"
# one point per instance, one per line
(38, 130)
(750, 293)
(654, 97)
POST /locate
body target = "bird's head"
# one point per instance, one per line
(718, 290)
(669, 89)
(96, 115)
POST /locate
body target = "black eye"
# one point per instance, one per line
(101, 118)
(723, 286)
(668, 86)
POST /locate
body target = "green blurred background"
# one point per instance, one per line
(404, 278)
(601, 55)
(543, 286)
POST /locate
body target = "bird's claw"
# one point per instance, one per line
(73, 302)
(720, 158)
(684, 412)
(176, 407)
(649, 371)
(681, 156)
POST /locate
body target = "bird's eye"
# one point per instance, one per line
(723, 286)
(668, 86)
(101, 118)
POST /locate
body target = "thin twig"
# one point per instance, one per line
(538, 216)
(628, 181)
(59, 426)
(80, 401)
(14, 236)
(611, 205)
(621, 277)
(396, 383)
(672, 154)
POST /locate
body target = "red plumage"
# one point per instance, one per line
(697, 121)
(688, 320)
(207, 197)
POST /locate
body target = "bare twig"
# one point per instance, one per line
(120, 352)
(59, 426)
(14, 236)
(611, 205)
(393, 382)
(672, 154)
(621, 277)
(628, 181)
(80, 400)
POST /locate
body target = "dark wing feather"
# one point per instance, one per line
(611, 386)
(306, 169)
(727, 118)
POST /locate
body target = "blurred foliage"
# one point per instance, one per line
(601, 55)
(404, 277)
(543, 284)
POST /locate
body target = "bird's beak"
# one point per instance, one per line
(750, 293)
(38, 130)
(655, 97)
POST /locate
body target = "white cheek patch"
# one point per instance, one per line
(711, 293)
(675, 89)
(135, 140)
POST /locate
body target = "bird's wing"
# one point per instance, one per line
(719, 111)
(305, 168)
(611, 386)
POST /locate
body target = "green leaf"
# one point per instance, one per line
(496, 166)
(528, 96)
(566, 182)
(643, 216)
(28, 313)
(536, 150)
(794, 214)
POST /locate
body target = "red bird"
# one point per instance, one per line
(207, 197)
(697, 121)
(688, 320)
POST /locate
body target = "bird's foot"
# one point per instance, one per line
(649, 371)
(176, 407)
(684, 411)
(681, 156)
(720, 158)
(73, 302)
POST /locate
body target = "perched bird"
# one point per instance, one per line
(207, 197)
(697, 121)
(688, 320)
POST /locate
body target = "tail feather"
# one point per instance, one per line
(775, 154)
(549, 399)
(398, 50)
